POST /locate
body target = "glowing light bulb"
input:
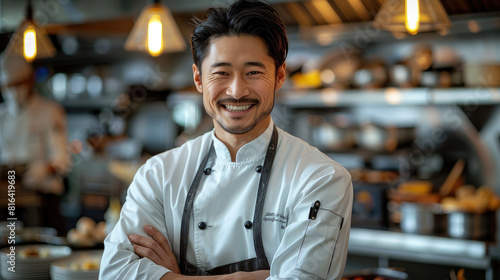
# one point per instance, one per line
(412, 16)
(155, 40)
(29, 44)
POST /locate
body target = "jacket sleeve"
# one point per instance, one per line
(143, 206)
(316, 248)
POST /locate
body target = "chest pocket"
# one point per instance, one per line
(318, 245)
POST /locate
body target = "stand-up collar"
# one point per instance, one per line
(252, 151)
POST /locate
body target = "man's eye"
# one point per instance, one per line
(254, 72)
(221, 73)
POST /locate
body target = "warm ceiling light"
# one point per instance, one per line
(155, 32)
(412, 19)
(412, 16)
(30, 40)
(29, 43)
(155, 42)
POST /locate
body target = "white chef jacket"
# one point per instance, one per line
(296, 247)
(35, 134)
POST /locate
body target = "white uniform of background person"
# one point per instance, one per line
(32, 129)
(296, 246)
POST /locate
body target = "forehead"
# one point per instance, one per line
(236, 49)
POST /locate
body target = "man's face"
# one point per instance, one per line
(238, 83)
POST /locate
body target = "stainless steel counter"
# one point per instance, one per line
(385, 245)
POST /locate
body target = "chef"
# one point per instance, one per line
(246, 200)
(32, 135)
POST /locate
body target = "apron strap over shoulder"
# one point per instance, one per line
(188, 207)
(261, 196)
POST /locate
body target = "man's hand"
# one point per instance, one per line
(255, 275)
(158, 250)
(155, 248)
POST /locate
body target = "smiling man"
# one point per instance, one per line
(246, 200)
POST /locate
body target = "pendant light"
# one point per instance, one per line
(30, 40)
(412, 16)
(155, 32)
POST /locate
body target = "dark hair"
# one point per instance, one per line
(244, 17)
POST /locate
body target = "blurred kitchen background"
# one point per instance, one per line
(414, 118)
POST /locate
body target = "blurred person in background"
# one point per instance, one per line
(32, 140)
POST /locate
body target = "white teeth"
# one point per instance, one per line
(234, 108)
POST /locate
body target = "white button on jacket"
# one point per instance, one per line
(296, 246)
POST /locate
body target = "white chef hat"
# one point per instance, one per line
(14, 69)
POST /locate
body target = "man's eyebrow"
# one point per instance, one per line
(256, 63)
(250, 63)
(219, 64)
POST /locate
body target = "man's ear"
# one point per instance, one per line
(197, 78)
(281, 76)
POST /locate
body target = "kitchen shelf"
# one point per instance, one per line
(327, 98)
(466, 96)
(88, 103)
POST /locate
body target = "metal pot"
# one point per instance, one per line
(331, 135)
(471, 225)
(400, 76)
(482, 75)
(380, 139)
(371, 76)
(338, 67)
(417, 218)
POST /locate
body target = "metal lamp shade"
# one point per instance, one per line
(171, 36)
(391, 16)
(44, 46)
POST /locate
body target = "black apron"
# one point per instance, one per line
(258, 263)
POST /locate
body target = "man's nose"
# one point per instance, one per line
(238, 88)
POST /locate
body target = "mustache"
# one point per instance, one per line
(236, 101)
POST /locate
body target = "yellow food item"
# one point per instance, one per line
(467, 204)
(450, 204)
(30, 253)
(44, 253)
(33, 252)
(465, 191)
(87, 264)
(87, 233)
(99, 233)
(85, 226)
(90, 265)
(484, 193)
(307, 80)
(415, 187)
(364, 197)
(74, 266)
(76, 238)
(494, 203)
(469, 199)
(460, 274)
